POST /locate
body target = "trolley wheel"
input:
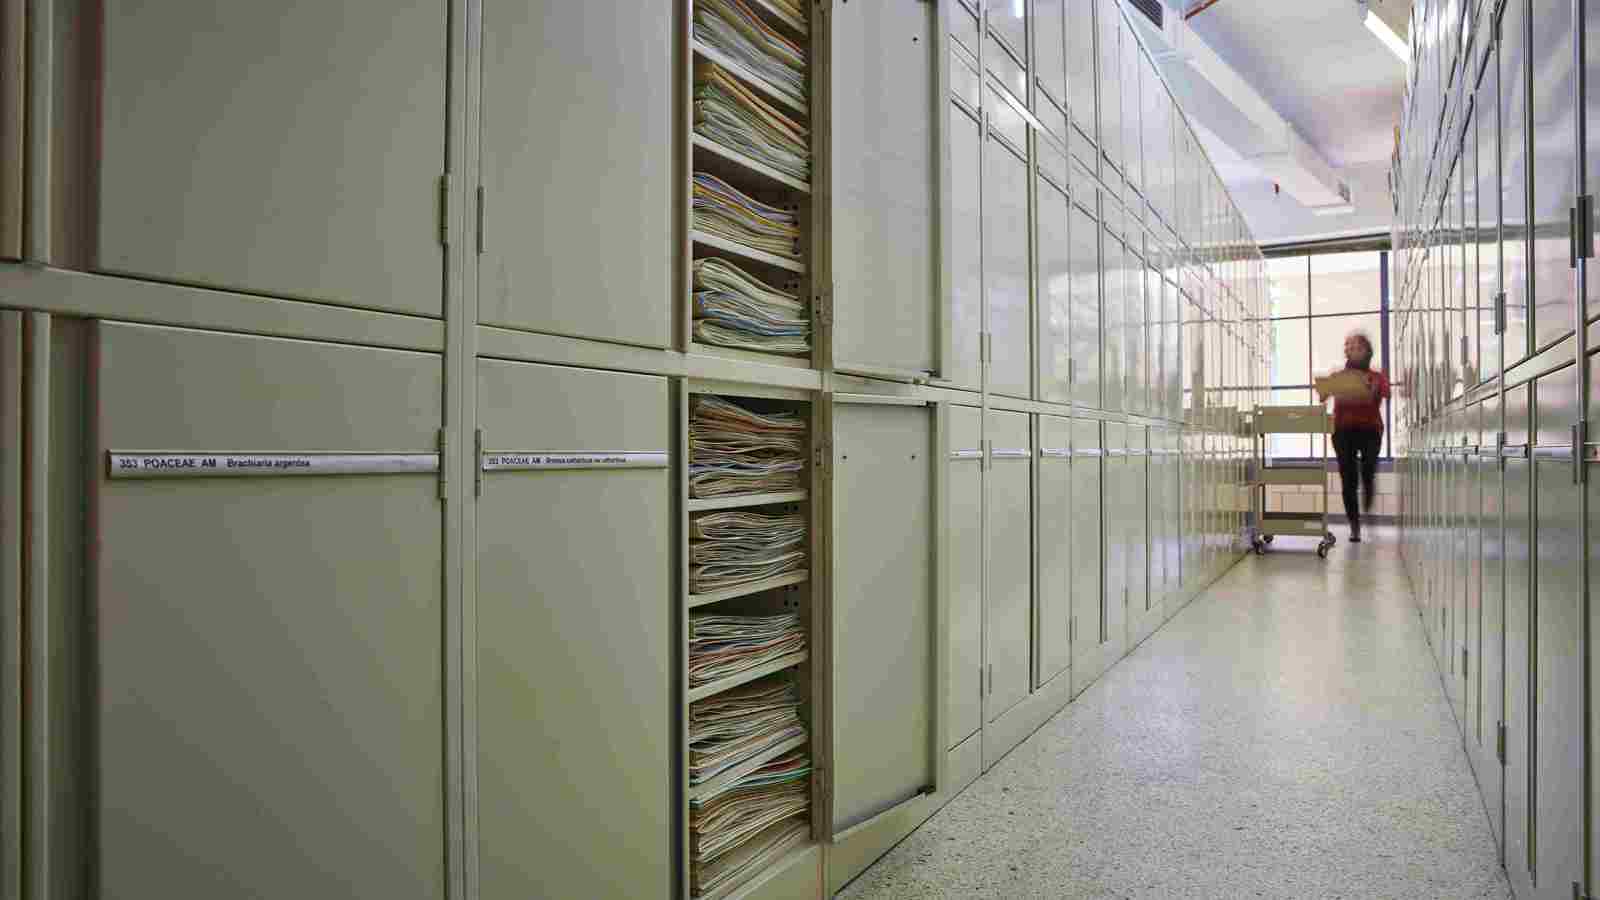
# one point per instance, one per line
(1260, 546)
(1266, 539)
(1322, 550)
(1330, 538)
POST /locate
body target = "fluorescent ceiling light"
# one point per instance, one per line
(1386, 34)
(1335, 209)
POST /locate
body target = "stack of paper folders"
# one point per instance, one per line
(736, 547)
(725, 646)
(727, 111)
(734, 450)
(734, 309)
(722, 210)
(710, 871)
(739, 725)
(733, 28)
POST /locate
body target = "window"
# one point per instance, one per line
(1317, 300)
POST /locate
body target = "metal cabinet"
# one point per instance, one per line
(1088, 607)
(1050, 48)
(1518, 668)
(1143, 606)
(1553, 95)
(1081, 55)
(1054, 292)
(965, 685)
(1053, 642)
(1085, 359)
(1117, 523)
(965, 248)
(1008, 595)
(1112, 309)
(1514, 174)
(1132, 121)
(223, 602)
(884, 247)
(883, 606)
(1556, 735)
(249, 150)
(545, 157)
(1486, 222)
(536, 578)
(1006, 269)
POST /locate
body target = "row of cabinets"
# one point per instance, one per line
(278, 614)
(1065, 285)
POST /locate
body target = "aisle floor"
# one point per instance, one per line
(1285, 735)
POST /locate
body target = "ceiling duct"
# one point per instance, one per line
(1212, 94)
(1152, 9)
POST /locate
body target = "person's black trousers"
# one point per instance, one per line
(1358, 450)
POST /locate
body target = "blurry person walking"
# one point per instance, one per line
(1358, 428)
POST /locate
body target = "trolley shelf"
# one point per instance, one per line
(1268, 420)
(1317, 474)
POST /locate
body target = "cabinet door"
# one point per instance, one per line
(287, 148)
(1518, 712)
(965, 458)
(1108, 22)
(543, 268)
(1558, 661)
(1141, 622)
(1553, 101)
(882, 608)
(1114, 324)
(271, 657)
(1050, 47)
(1055, 293)
(1117, 525)
(1088, 608)
(1008, 607)
(1081, 35)
(537, 577)
(1132, 100)
(1005, 270)
(881, 59)
(1487, 209)
(965, 368)
(1514, 191)
(1490, 652)
(1056, 514)
(1084, 328)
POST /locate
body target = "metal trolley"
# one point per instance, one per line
(1269, 420)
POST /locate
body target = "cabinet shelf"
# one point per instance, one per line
(748, 75)
(744, 590)
(745, 165)
(721, 783)
(788, 661)
(761, 256)
(798, 26)
(741, 501)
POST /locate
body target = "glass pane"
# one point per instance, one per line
(1291, 351)
(1327, 340)
(1346, 283)
(1288, 287)
(1294, 446)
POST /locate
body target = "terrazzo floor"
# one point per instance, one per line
(1285, 735)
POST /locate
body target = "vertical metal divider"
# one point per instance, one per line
(1585, 252)
(11, 610)
(944, 279)
(40, 110)
(940, 538)
(679, 585)
(38, 802)
(460, 455)
(986, 364)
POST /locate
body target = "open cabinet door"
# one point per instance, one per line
(882, 661)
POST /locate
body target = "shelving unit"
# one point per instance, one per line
(746, 322)
(726, 440)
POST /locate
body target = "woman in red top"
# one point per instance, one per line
(1358, 430)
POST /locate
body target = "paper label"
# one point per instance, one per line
(223, 465)
(631, 459)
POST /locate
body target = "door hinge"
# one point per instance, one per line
(1500, 313)
(1072, 630)
(1464, 662)
(1072, 372)
(991, 678)
(1578, 436)
(477, 463)
(1500, 743)
(820, 455)
(1583, 228)
(822, 307)
(444, 209)
(441, 442)
(480, 220)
